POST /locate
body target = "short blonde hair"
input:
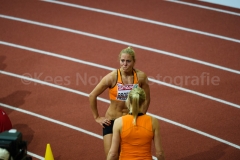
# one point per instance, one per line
(129, 50)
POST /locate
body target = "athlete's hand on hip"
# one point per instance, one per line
(102, 121)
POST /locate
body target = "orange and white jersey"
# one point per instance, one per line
(120, 91)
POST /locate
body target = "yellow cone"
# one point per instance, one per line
(48, 153)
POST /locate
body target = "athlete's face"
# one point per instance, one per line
(126, 62)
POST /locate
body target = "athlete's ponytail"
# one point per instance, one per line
(136, 98)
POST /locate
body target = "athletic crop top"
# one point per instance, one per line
(136, 140)
(120, 91)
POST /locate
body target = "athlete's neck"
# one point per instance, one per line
(126, 73)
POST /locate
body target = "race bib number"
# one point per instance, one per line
(123, 90)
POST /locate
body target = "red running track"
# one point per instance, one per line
(34, 33)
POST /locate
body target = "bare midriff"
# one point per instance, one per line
(116, 109)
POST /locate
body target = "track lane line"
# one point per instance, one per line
(107, 101)
(34, 155)
(53, 121)
(121, 42)
(109, 68)
(144, 20)
(204, 7)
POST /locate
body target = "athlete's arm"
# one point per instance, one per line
(105, 83)
(157, 140)
(113, 152)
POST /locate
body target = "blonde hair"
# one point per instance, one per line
(136, 98)
(129, 50)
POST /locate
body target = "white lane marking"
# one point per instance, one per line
(204, 7)
(195, 130)
(107, 101)
(55, 55)
(122, 42)
(109, 68)
(53, 121)
(145, 20)
(35, 155)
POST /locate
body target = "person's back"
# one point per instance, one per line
(135, 132)
(136, 139)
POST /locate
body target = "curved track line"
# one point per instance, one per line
(34, 155)
(109, 68)
(56, 55)
(121, 42)
(204, 7)
(107, 101)
(198, 131)
(53, 121)
(144, 20)
(196, 93)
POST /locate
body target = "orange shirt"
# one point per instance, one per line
(136, 139)
(120, 91)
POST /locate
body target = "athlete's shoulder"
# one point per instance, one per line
(139, 72)
(109, 79)
(111, 75)
(142, 77)
(155, 122)
(118, 121)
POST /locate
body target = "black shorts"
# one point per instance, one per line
(108, 129)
